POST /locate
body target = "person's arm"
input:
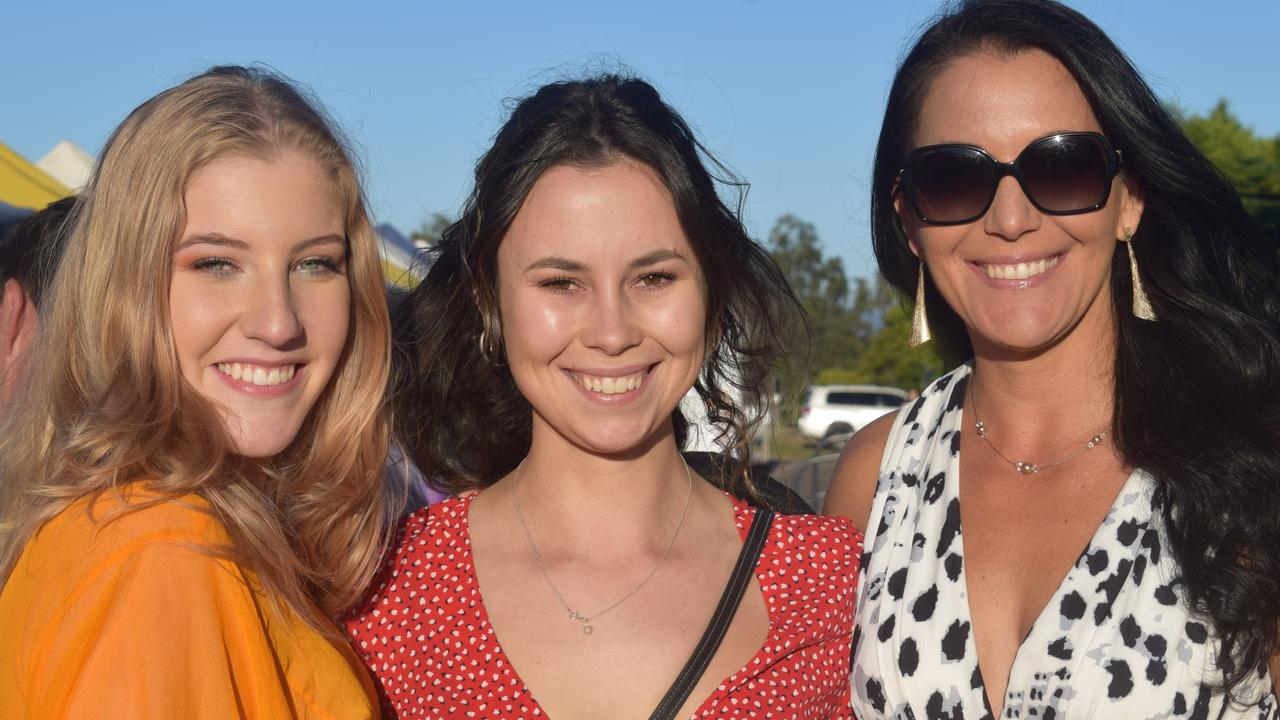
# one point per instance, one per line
(853, 484)
(1275, 673)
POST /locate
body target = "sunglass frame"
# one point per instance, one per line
(1113, 157)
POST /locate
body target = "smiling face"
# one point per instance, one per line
(603, 305)
(259, 301)
(1020, 279)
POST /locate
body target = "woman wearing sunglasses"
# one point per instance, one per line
(192, 488)
(1081, 520)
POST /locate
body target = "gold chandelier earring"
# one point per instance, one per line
(1141, 305)
(919, 319)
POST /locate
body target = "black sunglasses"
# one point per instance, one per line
(1062, 174)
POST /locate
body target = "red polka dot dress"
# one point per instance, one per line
(426, 638)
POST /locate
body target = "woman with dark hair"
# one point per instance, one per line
(595, 277)
(1108, 542)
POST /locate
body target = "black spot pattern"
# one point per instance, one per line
(954, 642)
(1060, 648)
(1115, 640)
(922, 608)
(908, 657)
(1073, 606)
(1121, 679)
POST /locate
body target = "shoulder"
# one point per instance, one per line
(810, 565)
(439, 523)
(853, 483)
(426, 540)
(119, 523)
(836, 536)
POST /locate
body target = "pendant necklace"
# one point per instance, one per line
(1028, 468)
(574, 615)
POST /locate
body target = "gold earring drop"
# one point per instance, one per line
(1141, 305)
(919, 320)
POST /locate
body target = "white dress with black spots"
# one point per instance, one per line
(1114, 641)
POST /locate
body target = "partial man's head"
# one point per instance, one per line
(29, 253)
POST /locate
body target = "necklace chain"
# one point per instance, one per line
(574, 615)
(1027, 468)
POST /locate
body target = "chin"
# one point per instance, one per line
(616, 441)
(261, 444)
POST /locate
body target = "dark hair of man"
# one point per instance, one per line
(1197, 393)
(460, 415)
(30, 250)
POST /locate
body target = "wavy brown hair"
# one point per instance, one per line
(464, 420)
(107, 404)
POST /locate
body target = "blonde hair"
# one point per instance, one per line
(107, 404)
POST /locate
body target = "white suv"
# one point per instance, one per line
(837, 409)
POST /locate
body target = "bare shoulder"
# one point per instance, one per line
(853, 484)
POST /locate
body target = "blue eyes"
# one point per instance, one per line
(315, 266)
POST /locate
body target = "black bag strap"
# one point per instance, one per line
(720, 620)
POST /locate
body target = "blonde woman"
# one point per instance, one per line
(192, 484)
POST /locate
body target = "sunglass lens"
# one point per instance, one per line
(1066, 174)
(951, 184)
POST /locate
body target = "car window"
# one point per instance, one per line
(868, 399)
(851, 398)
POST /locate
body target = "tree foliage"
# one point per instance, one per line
(1250, 162)
(429, 232)
(848, 319)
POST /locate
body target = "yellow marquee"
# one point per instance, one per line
(25, 185)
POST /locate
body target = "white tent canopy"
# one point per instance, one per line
(67, 163)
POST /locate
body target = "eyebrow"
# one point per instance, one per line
(555, 262)
(224, 241)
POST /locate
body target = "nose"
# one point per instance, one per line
(1011, 214)
(270, 313)
(611, 324)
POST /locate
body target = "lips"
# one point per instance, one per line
(258, 374)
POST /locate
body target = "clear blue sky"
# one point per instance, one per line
(788, 92)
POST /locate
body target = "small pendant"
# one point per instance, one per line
(586, 629)
(1027, 468)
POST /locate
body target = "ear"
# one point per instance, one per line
(17, 325)
(1132, 201)
(907, 220)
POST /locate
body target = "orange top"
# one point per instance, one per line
(126, 617)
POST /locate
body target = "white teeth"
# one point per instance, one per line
(257, 375)
(1021, 271)
(610, 385)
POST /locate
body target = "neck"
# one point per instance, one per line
(1065, 390)
(628, 498)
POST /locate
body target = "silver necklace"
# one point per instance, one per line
(1027, 468)
(574, 615)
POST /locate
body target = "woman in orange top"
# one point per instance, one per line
(191, 484)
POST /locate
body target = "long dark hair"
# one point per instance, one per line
(461, 417)
(1197, 394)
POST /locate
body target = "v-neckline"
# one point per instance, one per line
(742, 512)
(952, 492)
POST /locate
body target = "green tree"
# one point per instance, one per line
(428, 234)
(823, 289)
(889, 361)
(1250, 162)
